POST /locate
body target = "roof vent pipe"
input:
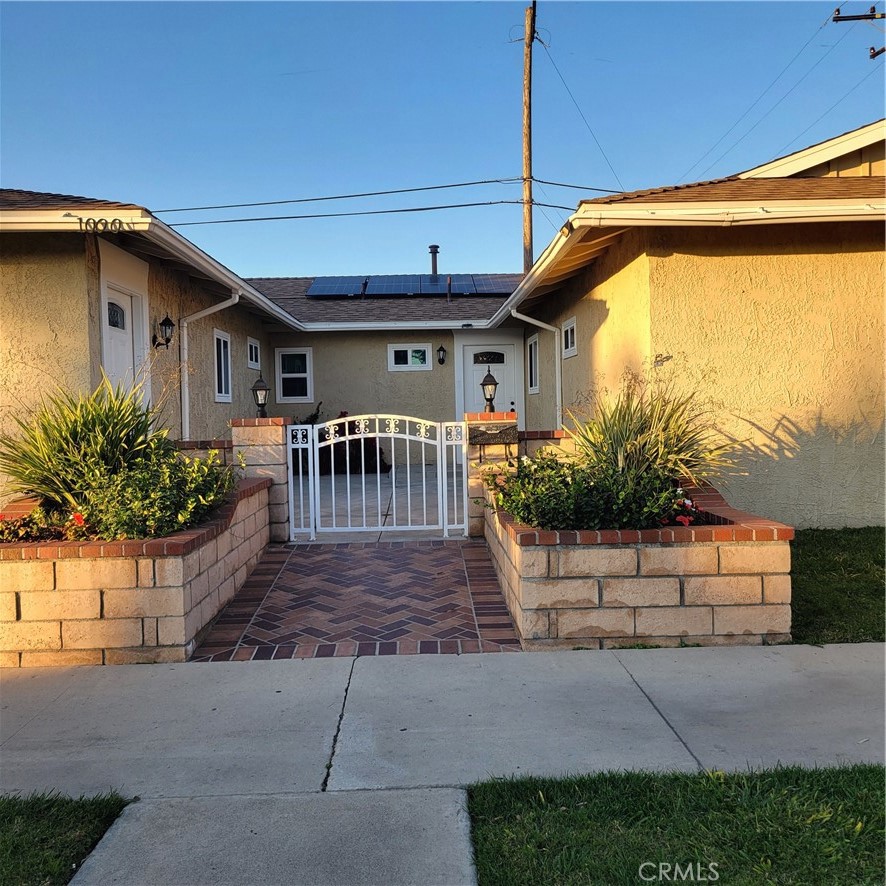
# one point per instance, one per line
(434, 249)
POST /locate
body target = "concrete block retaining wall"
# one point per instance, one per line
(124, 602)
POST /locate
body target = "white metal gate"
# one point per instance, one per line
(381, 473)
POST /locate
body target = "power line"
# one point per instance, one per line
(755, 102)
(581, 114)
(831, 108)
(230, 221)
(541, 181)
(491, 181)
(737, 143)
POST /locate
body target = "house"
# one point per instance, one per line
(762, 290)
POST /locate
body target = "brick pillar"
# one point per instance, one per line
(263, 443)
(492, 437)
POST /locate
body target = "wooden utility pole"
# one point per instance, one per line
(528, 39)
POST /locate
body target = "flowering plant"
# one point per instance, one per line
(685, 511)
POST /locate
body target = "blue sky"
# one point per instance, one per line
(189, 104)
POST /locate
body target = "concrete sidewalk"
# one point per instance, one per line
(313, 771)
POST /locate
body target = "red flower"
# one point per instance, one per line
(78, 519)
(684, 519)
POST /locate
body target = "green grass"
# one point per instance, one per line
(837, 585)
(782, 826)
(44, 838)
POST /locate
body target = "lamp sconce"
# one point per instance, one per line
(489, 386)
(166, 327)
(260, 391)
(441, 355)
(660, 359)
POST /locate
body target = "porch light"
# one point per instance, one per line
(441, 355)
(489, 386)
(260, 391)
(166, 327)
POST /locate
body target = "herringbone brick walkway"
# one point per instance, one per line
(319, 600)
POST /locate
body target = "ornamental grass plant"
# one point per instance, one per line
(100, 468)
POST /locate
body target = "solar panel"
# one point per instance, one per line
(462, 284)
(394, 284)
(332, 286)
(496, 284)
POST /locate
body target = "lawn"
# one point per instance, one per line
(45, 838)
(784, 826)
(837, 585)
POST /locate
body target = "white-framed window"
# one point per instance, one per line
(222, 366)
(532, 363)
(295, 375)
(253, 354)
(570, 348)
(409, 358)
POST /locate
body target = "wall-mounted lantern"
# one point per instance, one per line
(441, 355)
(260, 391)
(166, 328)
(489, 386)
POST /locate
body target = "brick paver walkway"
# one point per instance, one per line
(385, 598)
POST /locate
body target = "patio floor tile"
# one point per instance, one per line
(385, 598)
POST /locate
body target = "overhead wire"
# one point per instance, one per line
(229, 221)
(581, 113)
(755, 102)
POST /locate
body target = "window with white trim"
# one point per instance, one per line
(570, 348)
(409, 358)
(532, 363)
(222, 366)
(253, 354)
(295, 375)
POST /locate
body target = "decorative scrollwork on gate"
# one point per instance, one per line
(392, 425)
(299, 437)
(455, 434)
(332, 432)
(422, 430)
(361, 426)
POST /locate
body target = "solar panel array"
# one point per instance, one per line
(414, 284)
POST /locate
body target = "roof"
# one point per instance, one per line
(290, 293)
(736, 189)
(13, 198)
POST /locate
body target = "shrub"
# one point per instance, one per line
(74, 442)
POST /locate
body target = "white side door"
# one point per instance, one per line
(118, 341)
(500, 360)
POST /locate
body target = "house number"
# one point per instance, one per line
(99, 225)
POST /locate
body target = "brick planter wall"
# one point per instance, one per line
(724, 584)
(88, 603)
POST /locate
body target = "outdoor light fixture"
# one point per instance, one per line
(260, 391)
(441, 355)
(166, 327)
(489, 386)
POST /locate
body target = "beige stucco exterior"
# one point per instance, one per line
(780, 326)
(350, 373)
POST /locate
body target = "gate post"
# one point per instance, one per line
(263, 444)
(492, 437)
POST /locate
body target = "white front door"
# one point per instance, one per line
(118, 342)
(500, 360)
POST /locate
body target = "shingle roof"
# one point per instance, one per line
(756, 189)
(290, 293)
(12, 198)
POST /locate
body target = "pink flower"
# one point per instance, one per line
(684, 520)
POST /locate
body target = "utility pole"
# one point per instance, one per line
(528, 39)
(871, 16)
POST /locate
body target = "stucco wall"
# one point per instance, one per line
(178, 295)
(351, 374)
(788, 322)
(49, 335)
(610, 303)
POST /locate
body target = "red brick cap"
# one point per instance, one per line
(259, 422)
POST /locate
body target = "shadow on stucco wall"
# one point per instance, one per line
(811, 473)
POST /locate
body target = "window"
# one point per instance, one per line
(408, 358)
(295, 381)
(222, 367)
(253, 354)
(570, 348)
(532, 363)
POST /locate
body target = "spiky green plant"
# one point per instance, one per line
(652, 428)
(76, 441)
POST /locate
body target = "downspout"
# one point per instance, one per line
(558, 368)
(183, 353)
